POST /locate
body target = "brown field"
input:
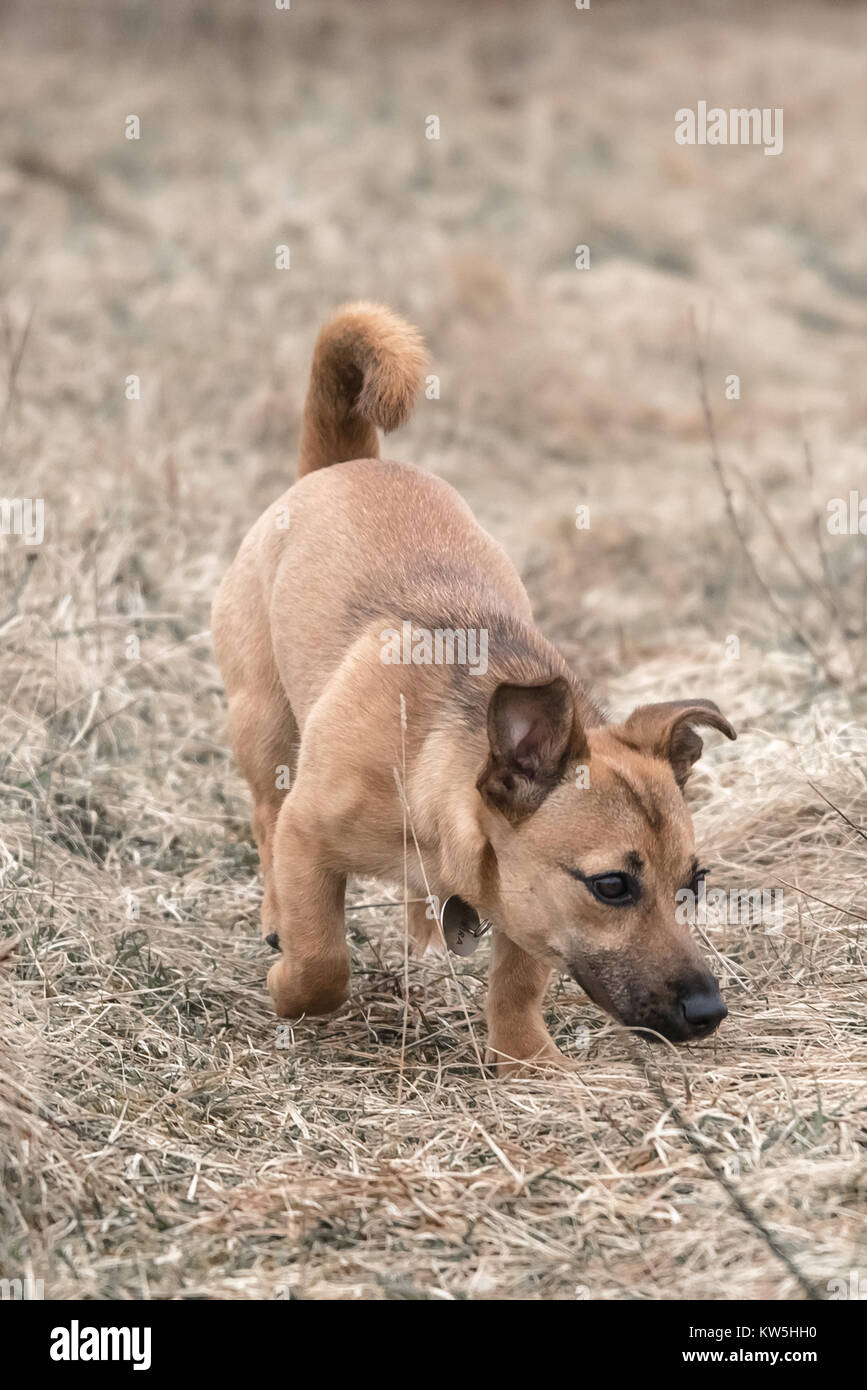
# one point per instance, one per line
(160, 1136)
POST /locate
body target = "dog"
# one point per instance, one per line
(498, 784)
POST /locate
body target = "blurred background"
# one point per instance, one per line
(307, 128)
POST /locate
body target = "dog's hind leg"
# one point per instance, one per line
(264, 734)
(262, 727)
(422, 927)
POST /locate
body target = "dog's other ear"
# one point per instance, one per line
(667, 731)
(533, 732)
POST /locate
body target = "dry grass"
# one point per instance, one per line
(159, 1135)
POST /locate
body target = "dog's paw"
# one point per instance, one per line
(518, 1059)
(292, 995)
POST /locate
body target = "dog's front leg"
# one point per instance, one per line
(518, 1040)
(312, 976)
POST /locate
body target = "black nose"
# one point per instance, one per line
(703, 1010)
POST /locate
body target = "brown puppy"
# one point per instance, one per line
(369, 581)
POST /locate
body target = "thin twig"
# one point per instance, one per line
(779, 609)
(23, 581)
(716, 1170)
(859, 916)
(782, 541)
(16, 356)
(830, 582)
(841, 814)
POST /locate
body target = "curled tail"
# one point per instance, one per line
(367, 368)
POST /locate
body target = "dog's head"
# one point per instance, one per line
(591, 842)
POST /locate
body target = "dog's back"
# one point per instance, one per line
(358, 540)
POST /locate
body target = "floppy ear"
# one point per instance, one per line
(666, 731)
(533, 732)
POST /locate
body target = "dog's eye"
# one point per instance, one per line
(613, 888)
